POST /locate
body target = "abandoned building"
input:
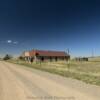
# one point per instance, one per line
(43, 55)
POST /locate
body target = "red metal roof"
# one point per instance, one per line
(47, 53)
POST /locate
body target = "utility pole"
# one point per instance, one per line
(68, 51)
(92, 53)
(68, 58)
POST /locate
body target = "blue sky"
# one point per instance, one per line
(50, 25)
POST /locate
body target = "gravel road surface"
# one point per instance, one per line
(22, 83)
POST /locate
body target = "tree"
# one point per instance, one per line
(21, 58)
(7, 57)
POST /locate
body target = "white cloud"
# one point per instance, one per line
(9, 41)
(15, 42)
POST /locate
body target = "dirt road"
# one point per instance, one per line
(22, 83)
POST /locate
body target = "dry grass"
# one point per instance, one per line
(88, 72)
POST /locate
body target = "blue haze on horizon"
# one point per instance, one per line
(50, 25)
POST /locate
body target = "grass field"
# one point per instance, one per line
(88, 72)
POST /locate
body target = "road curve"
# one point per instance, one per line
(22, 83)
